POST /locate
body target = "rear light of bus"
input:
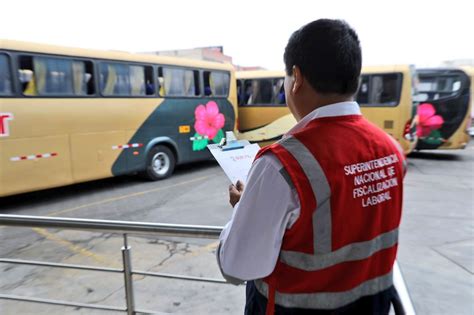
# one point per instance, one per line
(407, 132)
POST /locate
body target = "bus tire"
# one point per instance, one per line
(160, 163)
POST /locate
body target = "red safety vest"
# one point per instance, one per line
(348, 174)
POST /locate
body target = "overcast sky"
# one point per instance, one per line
(253, 32)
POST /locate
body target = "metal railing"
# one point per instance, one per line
(136, 228)
(117, 227)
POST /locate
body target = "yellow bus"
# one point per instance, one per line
(444, 113)
(70, 115)
(385, 97)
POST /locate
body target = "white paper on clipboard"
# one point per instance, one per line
(235, 163)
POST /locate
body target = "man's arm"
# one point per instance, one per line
(250, 243)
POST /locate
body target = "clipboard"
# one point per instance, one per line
(235, 157)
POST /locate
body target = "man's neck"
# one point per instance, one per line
(323, 101)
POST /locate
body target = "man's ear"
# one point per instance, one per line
(297, 79)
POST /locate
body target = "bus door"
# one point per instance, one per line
(443, 113)
(98, 130)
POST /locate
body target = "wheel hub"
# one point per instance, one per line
(160, 163)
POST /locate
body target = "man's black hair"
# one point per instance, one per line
(328, 54)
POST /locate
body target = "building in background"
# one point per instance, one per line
(458, 62)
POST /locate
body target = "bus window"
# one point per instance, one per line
(197, 86)
(83, 77)
(433, 88)
(115, 79)
(5, 76)
(216, 83)
(279, 91)
(161, 82)
(79, 77)
(239, 92)
(380, 89)
(258, 91)
(363, 94)
(178, 82)
(141, 80)
(26, 75)
(247, 91)
(191, 83)
(137, 80)
(55, 76)
(149, 82)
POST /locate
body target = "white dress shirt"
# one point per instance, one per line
(250, 242)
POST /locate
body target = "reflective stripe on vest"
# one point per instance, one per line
(320, 186)
(328, 300)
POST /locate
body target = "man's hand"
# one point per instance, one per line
(235, 191)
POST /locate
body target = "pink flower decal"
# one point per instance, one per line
(208, 120)
(428, 120)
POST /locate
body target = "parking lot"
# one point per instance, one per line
(436, 248)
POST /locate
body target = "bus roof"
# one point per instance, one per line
(387, 68)
(468, 69)
(20, 46)
(257, 74)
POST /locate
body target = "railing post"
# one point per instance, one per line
(127, 273)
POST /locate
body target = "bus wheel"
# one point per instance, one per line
(160, 163)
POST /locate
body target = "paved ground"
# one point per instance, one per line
(436, 247)
(437, 240)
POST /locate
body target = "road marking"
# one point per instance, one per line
(212, 246)
(77, 249)
(208, 248)
(140, 193)
(204, 249)
(82, 251)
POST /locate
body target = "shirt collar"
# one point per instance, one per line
(332, 110)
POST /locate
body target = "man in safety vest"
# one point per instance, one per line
(316, 229)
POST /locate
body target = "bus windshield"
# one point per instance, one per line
(443, 112)
(432, 87)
